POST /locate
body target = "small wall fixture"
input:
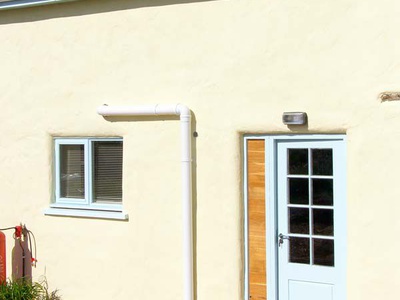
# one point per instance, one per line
(294, 118)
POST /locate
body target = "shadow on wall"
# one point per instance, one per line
(79, 8)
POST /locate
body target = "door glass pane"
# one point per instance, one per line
(323, 252)
(298, 161)
(72, 171)
(299, 220)
(299, 250)
(322, 191)
(323, 222)
(322, 161)
(298, 191)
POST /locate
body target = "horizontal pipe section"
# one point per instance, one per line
(140, 110)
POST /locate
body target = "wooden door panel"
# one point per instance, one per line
(256, 217)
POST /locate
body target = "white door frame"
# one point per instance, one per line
(271, 142)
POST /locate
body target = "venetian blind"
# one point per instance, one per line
(107, 171)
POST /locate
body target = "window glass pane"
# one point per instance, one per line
(299, 250)
(72, 169)
(323, 252)
(298, 190)
(322, 191)
(298, 161)
(322, 161)
(107, 171)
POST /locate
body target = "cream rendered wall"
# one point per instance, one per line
(238, 65)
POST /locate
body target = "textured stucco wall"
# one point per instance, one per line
(238, 65)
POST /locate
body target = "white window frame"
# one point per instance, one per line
(68, 202)
(81, 207)
(13, 4)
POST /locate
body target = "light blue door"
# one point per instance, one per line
(311, 235)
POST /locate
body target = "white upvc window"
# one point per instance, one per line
(88, 174)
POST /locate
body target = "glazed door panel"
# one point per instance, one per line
(311, 210)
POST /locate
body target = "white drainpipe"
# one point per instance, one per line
(185, 120)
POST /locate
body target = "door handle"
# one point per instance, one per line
(282, 237)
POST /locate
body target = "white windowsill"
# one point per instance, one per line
(86, 213)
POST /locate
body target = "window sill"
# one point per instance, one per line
(85, 213)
